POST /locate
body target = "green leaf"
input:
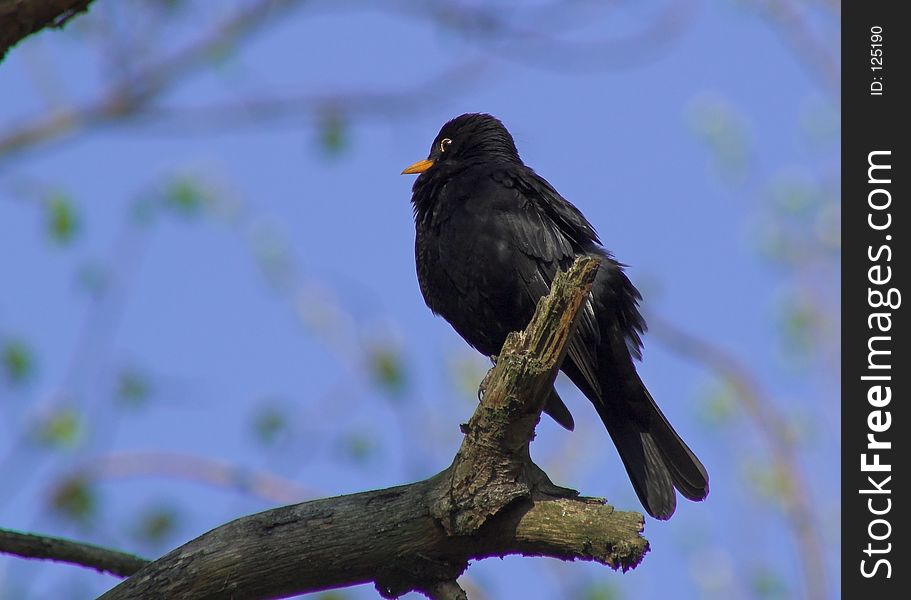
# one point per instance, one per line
(157, 524)
(774, 243)
(768, 584)
(18, 361)
(794, 194)
(358, 447)
(271, 249)
(827, 226)
(333, 134)
(387, 369)
(75, 499)
(60, 429)
(133, 388)
(269, 425)
(801, 326)
(722, 128)
(718, 404)
(184, 197)
(62, 220)
(601, 591)
(768, 480)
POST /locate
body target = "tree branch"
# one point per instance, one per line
(492, 501)
(21, 18)
(29, 545)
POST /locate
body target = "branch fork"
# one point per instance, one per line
(491, 501)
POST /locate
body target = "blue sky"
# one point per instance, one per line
(194, 312)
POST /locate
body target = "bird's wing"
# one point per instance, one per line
(551, 233)
(566, 217)
(618, 294)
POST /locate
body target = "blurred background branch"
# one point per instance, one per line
(206, 253)
(780, 439)
(218, 473)
(140, 85)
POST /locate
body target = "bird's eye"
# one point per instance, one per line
(444, 143)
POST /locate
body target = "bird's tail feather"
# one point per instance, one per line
(655, 457)
(557, 410)
(687, 472)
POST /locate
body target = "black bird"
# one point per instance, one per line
(491, 236)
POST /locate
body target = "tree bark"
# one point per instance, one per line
(30, 545)
(492, 501)
(21, 18)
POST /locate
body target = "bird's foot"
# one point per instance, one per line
(544, 485)
(482, 389)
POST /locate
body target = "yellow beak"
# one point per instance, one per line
(418, 167)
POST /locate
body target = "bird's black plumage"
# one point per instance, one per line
(491, 236)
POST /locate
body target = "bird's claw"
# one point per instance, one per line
(482, 388)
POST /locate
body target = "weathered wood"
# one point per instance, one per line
(492, 501)
(21, 18)
(32, 545)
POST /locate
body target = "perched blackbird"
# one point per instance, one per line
(491, 236)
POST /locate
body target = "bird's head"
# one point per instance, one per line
(466, 139)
